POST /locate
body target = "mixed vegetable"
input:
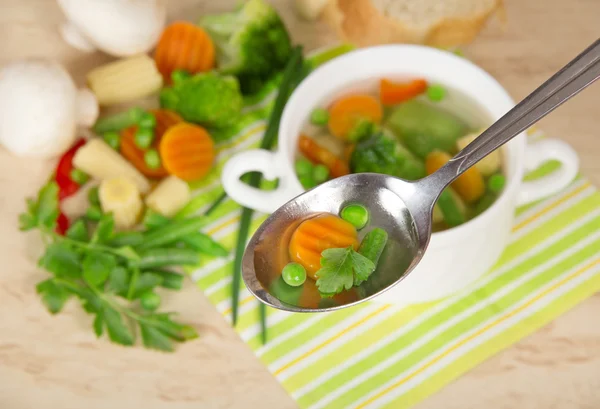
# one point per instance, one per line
(400, 131)
(130, 239)
(326, 257)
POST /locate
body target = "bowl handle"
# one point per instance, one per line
(543, 151)
(265, 162)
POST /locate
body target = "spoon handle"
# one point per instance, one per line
(570, 80)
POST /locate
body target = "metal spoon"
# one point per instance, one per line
(404, 208)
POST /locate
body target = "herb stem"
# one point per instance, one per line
(132, 283)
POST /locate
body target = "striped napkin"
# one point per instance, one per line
(376, 355)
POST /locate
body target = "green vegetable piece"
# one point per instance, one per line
(294, 274)
(496, 183)
(147, 121)
(144, 137)
(152, 159)
(372, 246)
(331, 53)
(307, 181)
(104, 230)
(97, 267)
(303, 167)
(362, 130)
(93, 196)
(173, 232)
(61, 260)
(161, 257)
(205, 244)
(284, 292)
(118, 122)
(484, 203)
(320, 173)
(127, 238)
(153, 220)
(209, 99)
(452, 208)
(383, 153)
(423, 128)
(118, 280)
(118, 331)
(113, 139)
(340, 269)
(170, 280)
(78, 231)
(252, 42)
(355, 214)
(42, 212)
(54, 295)
(319, 117)
(144, 283)
(78, 176)
(180, 75)
(150, 301)
(436, 93)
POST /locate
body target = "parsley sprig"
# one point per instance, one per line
(341, 269)
(90, 263)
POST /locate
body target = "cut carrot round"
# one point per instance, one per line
(187, 151)
(347, 112)
(318, 154)
(470, 186)
(129, 149)
(396, 92)
(184, 46)
(317, 234)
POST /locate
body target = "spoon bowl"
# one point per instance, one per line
(389, 204)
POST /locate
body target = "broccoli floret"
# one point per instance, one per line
(208, 99)
(252, 42)
(383, 153)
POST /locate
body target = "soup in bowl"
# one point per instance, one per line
(404, 110)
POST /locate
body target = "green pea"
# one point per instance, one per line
(93, 213)
(144, 137)
(179, 75)
(78, 176)
(294, 274)
(152, 159)
(355, 214)
(147, 121)
(150, 301)
(303, 167)
(93, 196)
(307, 181)
(320, 117)
(320, 173)
(436, 93)
(496, 183)
(136, 113)
(113, 139)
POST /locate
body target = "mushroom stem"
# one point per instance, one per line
(87, 108)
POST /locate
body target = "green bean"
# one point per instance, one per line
(156, 258)
(373, 244)
(127, 238)
(170, 280)
(153, 220)
(118, 121)
(204, 244)
(172, 232)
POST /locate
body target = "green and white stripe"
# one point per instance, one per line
(383, 356)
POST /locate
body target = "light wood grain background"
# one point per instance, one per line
(56, 362)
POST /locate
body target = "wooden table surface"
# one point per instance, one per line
(56, 362)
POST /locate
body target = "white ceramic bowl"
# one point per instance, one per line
(457, 256)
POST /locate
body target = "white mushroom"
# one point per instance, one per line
(117, 27)
(40, 108)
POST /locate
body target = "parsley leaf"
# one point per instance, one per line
(118, 331)
(145, 282)
(105, 229)
(155, 339)
(62, 260)
(53, 294)
(78, 231)
(341, 269)
(46, 208)
(97, 267)
(118, 281)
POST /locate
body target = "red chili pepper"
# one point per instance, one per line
(62, 224)
(66, 185)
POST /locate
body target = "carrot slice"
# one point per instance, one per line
(164, 120)
(346, 112)
(470, 185)
(317, 234)
(187, 151)
(396, 92)
(184, 46)
(316, 153)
